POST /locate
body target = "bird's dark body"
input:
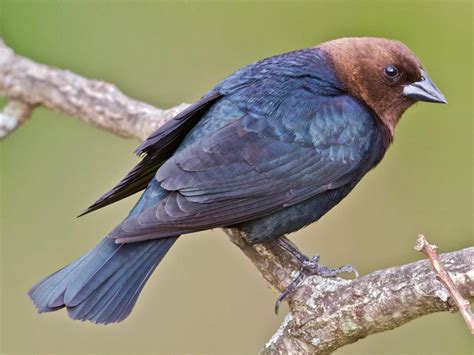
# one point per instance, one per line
(282, 129)
(269, 150)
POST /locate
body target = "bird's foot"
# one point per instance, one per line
(309, 267)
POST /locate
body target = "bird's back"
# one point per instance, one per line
(331, 128)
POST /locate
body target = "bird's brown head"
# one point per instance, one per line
(382, 73)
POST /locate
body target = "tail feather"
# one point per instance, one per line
(108, 259)
(126, 294)
(100, 305)
(47, 295)
(103, 285)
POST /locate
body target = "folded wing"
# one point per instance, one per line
(256, 166)
(156, 149)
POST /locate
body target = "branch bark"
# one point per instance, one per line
(325, 314)
(93, 101)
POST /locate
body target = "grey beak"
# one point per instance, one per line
(424, 90)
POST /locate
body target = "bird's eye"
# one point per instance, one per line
(391, 72)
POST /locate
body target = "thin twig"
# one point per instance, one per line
(463, 305)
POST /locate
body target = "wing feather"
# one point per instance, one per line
(248, 169)
(155, 150)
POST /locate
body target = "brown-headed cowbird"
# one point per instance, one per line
(269, 150)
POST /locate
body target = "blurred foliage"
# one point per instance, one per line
(205, 296)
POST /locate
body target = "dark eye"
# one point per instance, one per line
(391, 72)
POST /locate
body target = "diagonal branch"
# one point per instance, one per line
(463, 305)
(93, 101)
(325, 314)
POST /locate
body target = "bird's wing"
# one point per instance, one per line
(259, 86)
(255, 166)
(155, 150)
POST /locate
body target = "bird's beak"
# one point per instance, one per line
(424, 90)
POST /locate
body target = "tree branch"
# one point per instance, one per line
(13, 115)
(325, 314)
(328, 314)
(93, 101)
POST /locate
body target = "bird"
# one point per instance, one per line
(269, 150)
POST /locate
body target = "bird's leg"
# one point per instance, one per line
(309, 267)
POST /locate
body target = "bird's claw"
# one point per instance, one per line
(290, 289)
(334, 272)
(311, 267)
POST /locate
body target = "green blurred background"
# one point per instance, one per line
(206, 296)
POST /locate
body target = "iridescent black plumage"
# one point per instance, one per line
(269, 150)
(282, 132)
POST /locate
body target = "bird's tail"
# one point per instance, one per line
(103, 285)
